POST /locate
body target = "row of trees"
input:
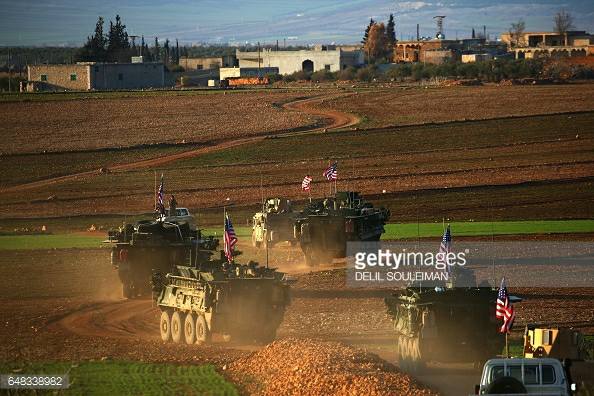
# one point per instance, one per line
(562, 23)
(118, 46)
(379, 40)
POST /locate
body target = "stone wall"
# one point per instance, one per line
(60, 77)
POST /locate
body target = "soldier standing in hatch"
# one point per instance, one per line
(172, 206)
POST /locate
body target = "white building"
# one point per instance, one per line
(287, 62)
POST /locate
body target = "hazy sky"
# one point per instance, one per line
(59, 22)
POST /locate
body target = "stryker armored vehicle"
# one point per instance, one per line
(325, 226)
(242, 302)
(274, 223)
(147, 247)
(445, 324)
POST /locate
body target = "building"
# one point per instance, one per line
(438, 51)
(190, 64)
(544, 44)
(95, 76)
(237, 72)
(427, 51)
(470, 58)
(288, 62)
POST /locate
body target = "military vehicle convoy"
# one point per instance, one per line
(325, 226)
(197, 294)
(274, 223)
(444, 324)
(242, 302)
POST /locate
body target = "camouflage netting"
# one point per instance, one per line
(307, 367)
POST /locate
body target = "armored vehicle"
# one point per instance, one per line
(274, 223)
(244, 302)
(445, 324)
(325, 226)
(147, 247)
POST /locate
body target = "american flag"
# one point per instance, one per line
(230, 238)
(305, 184)
(504, 309)
(331, 173)
(160, 204)
(445, 248)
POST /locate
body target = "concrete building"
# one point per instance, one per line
(427, 51)
(95, 76)
(321, 58)
(544, 44)
(190, 64)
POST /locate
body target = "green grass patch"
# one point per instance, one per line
(481, 228)
(52, 241)
(394, 231)
(132, 378)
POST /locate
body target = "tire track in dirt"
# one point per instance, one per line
(334, 120)
(120, 319)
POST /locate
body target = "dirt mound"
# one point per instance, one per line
(308, 367)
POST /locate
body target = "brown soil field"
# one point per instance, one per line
(406, 106)
(529, 168)
(70, 125)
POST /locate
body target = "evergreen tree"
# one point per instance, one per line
(176, 52)
(166, 50)
(157, 50)
(371, 23)
(118, 43)
(94, 49)
(391, 32)
(473, 33)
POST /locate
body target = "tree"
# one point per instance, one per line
(516, 33)
(473, 33)
(390, 38)
(371, 23)
(563, 23)
(118, 43)
(176, 52)
(94, 49)
(157, 50)
(375, 47)
(166, 50)
(391, 32)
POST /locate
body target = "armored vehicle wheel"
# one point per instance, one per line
(190, 329)
(165, 326)
(176, 327)
(311, 259)
(266, 335)
(202, 332)
(128, 289)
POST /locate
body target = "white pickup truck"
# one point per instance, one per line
(181, 214)
(544, 377)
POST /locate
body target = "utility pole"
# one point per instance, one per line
(259, 59)
(9, 71)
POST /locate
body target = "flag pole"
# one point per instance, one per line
(506, 346)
